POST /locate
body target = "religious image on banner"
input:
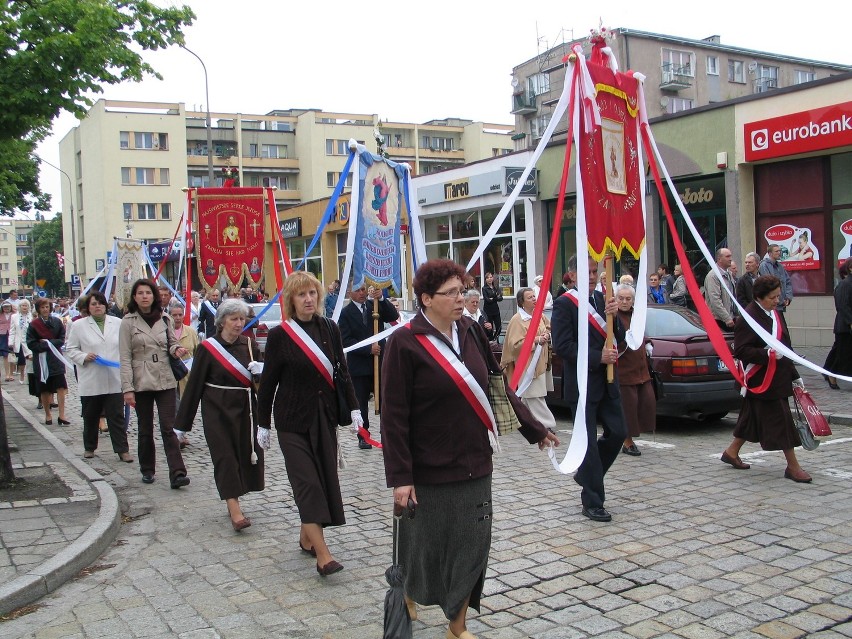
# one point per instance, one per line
(798, 252)
(230, 235)
(377, 260)
(612, 179)
(129, 267)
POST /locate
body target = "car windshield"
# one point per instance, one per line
(663, 322)
(272, 315)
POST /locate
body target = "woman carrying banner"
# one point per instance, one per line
(533, 390)
(93, 347)
(48, 370)
(765, 414)
(438, 434)
(299, 375)
(634, 378)
(491, 295)
(18, 338)
(221, 381)
(146, 340)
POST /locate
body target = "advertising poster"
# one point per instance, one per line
(846, 252)
(798, 252)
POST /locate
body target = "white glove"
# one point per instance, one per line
(778, 356)
(255, 368)
(263, 437)
(799, 383)
(357, 422)
(649, 349)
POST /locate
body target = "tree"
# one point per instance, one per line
(47, 240)
(55, 55)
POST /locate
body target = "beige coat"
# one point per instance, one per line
(516, 332)
(144, 359)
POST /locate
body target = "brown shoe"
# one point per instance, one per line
(800, 476)
(330, 568)
(89, 454)
(736, 462)
(125, 457)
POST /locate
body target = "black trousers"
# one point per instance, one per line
(363, 385)
(601, 451)
(110, 406)
(165, 400)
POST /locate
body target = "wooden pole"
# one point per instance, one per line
(375, 358)
(610, 326)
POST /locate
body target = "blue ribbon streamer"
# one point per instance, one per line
(257, 317)
(106, 362)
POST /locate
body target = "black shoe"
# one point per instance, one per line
(597, 514)
(147, 478)
(631, 450)
(54, 405)
(39, 407)
(364, 445)
(179, 481)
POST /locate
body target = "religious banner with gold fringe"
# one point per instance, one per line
(230, 235)
(129, 267)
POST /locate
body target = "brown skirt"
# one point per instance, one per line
(768, 422)
(311, 461)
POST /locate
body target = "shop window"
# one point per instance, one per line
(841, 179)
(466, 224)
(789, 186)
(436, 229)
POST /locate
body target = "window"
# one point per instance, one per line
(274, 181)
(165, 211)
(146, 211)
(80, 198)
(676, 105)
(334, 147)
(4, 266)
(124, 140)
(313, 264)
(4, 251)
(332, 178)
(538, 83)
(712, 65)
(275, 151)
(144, 176)
(252, 150)
(678, 62)
(128, 211)
(125, 175)
(164, 177)
(805, 76)
(78, 164)
(767, 78)
(163, 139)
(143, 140)
(538, 125)
(22, 237)
(736, 71)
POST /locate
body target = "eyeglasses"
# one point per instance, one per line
(452, 293)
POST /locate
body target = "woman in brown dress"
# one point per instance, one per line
(634, 379)
(765, 414)
(298, 386)
(222, 377)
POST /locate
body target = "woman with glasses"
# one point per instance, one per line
(438, 440)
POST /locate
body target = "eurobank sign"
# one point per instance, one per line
(803, 132)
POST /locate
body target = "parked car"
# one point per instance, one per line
(270, 320)
(696, 382)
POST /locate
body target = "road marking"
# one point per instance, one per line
(836, 473)
(642, 443)
(755, 457)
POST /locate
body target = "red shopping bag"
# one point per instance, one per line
(816, 420)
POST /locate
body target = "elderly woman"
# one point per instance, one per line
(146, 340)
(221, 380)
(188, 339)
(533, 394)
(93, 347)
(48, 370)
(634, 378)
(302, 354)
(438, 446)
(765, 414)
(472, 310)
(18, 338)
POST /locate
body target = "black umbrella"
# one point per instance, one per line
(397, 620)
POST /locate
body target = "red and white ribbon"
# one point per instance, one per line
(311, 350)
(228, 361)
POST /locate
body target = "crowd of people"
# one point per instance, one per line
(430, 379)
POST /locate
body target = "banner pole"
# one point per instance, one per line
(610, 325)
(375, 359)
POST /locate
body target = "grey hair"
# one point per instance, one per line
(625, 287)
(752, 254)
(231, 306)
(175, 303)
(471, 293)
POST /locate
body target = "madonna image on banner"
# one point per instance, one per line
(377, 259)
(128, 268)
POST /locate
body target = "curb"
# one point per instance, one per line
(80, 553)
(840, 419)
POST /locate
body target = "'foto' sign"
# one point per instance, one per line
(802, 132)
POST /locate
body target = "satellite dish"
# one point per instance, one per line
(664, 101)
(752, 66)
(515, 83)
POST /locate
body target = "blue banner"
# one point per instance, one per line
(377, 257)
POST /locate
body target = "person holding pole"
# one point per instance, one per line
(359, 320)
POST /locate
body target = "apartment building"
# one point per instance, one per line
(681, 74)
(129, 162)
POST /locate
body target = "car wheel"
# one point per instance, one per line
(713, 417)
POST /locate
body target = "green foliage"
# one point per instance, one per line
(47, 236)
(57, 54)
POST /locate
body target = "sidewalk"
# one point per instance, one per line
(46, 541)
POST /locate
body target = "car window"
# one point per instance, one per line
(272, 315)
(663, 322)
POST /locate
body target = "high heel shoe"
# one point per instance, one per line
(63, 422)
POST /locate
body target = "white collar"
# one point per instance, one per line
(455, 333)
(524, 315)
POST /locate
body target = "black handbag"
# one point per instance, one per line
(344, 412)
(179, 369)
(656, 381)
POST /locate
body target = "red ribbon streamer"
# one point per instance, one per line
(365, 435)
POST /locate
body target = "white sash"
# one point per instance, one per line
(311, 350)
(450, 359)
(593, 314)
(231, 363)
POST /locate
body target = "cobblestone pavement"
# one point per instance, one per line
(696, 549)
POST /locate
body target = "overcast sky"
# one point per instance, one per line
(412, 62)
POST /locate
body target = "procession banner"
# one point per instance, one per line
(230, 235)
(377, 258)
(130, 261)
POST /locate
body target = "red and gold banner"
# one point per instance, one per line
(609, 160)
(230, 235)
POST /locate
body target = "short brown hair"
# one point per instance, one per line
(297, 282)
(432, 274)
(764, 285)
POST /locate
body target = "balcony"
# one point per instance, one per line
(523, 103)
(762, 85)
(675, 77)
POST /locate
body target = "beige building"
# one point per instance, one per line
(129, 162)
(9, 269)
(681, 74)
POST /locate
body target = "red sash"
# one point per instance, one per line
(595, 320)
(752, 369)
(311, 350)
(228, 362)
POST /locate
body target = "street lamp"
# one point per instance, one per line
(71, 205)
(209, 129)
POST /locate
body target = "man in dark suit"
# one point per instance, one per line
(356, 325)
(207, 314)
(603, 399)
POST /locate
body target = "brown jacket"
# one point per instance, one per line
(144, 355)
